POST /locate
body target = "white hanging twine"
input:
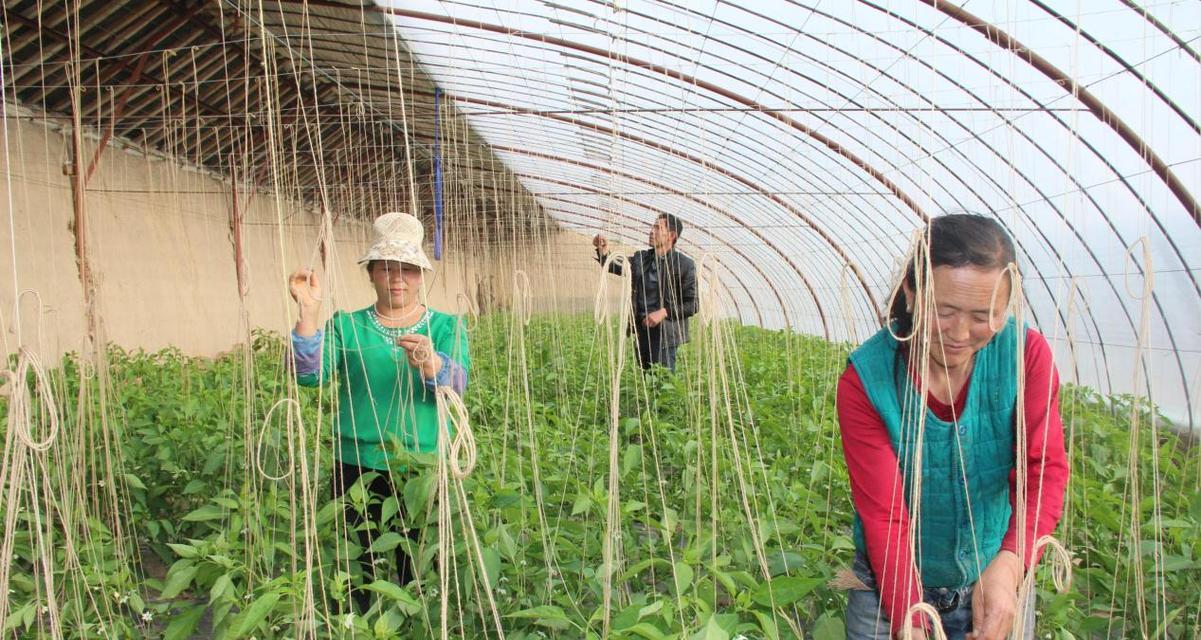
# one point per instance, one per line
(707, 309)
(931, 613)
(844, 301)
(1061, 563)
(523, 306)
(452, 412)
(600, 310)
(39, 313)
(1147, 269)
(919, 257)
(18, 409)
(467, 308)
(293, 414)
(1061, 574)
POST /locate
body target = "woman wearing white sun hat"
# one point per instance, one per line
(388, 359)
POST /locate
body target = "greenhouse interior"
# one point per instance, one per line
(654, 319)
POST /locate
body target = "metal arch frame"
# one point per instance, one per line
(1046, 243)
(1126, 66)
(690, 158)
(746, 290)
(966, 186)
(1163, 28)
(720, 241)
(999, 37)
(1163, 316)
(657, 211)
(891, 126)
(688, 196)
(1059, 213)
(1120, 177)
(587, 125)
(950, 79)
(1035, 227)
(1026, 136)
(833, 174)
(682, 77)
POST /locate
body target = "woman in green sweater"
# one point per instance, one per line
(387, 359)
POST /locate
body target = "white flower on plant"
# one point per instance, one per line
(101, 484)
(45, 608)
(124, 599)
(348, 621)
(147, 616)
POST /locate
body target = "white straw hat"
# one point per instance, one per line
(398, 236)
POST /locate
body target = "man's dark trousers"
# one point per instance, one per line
(653, 348)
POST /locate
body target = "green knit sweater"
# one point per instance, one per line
(383, 403)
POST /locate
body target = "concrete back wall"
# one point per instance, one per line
(162, 255)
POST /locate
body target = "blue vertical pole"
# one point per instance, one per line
(437, 173)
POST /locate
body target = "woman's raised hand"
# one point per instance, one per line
(306, 291)
(305, 288)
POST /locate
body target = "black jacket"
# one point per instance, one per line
(677, 289)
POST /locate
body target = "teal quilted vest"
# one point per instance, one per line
(965, 466)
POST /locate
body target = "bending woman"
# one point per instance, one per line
(388, 359)
(969, 564)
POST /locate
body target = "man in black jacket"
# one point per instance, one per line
(664, 292)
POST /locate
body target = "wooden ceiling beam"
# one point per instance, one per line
(108, 71)
(46, 54)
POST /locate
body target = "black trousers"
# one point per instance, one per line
(653, 348)
(378, 490)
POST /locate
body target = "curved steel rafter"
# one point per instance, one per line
(753, 66)
(691, 197)
(657, 211)
(746, 290)
(758, 189)
(1002, 39)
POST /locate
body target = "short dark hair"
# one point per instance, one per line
(956, 240)
(673, 224)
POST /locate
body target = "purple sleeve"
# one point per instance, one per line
(452, 374)
(306, 353)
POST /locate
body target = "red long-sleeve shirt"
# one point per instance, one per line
(875, 475)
